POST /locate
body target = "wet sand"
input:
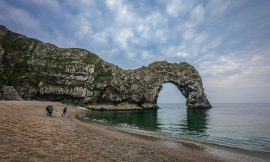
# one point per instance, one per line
(27, 134)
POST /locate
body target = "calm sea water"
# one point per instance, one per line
(245, 126)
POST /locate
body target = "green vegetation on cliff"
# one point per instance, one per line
(90, 58)
(40, 70)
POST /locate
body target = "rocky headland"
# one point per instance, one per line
(32, 69)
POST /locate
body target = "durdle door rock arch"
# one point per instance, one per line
(184, 76)
(43, 71)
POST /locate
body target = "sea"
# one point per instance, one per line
(238, 125)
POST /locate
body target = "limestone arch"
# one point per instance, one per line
(184, 76)
(194, 93)
(178, 86)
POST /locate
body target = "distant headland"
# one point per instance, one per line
(32, 69)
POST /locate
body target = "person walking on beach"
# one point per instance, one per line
(47, 109)
(50, 110)
(64, 112)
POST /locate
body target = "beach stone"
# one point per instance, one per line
(42, 71)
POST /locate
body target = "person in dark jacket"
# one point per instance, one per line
(47, 109)
(50, 110)
(64, 112)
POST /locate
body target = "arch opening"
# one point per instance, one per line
(170, 93)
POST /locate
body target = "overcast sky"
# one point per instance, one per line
(227, 41)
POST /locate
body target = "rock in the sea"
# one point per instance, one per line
(41, 71)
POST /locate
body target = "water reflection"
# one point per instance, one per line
(196, 122)
(172, 119)
(144, 119)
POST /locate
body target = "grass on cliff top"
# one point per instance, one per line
(90, 58)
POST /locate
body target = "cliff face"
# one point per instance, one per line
(43, 71)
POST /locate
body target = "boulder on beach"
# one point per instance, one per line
(9, 93)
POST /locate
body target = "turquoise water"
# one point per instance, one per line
(245, 126)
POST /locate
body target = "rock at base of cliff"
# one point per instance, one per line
(9, 93)
(121, 106)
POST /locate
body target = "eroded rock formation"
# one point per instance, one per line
(43, 71)
(9, 93)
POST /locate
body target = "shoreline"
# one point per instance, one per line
(27, 134)
(211, 147)
(120, 107)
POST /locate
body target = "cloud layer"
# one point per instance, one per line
(227, 41)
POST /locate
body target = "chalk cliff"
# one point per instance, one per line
(42, 71)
